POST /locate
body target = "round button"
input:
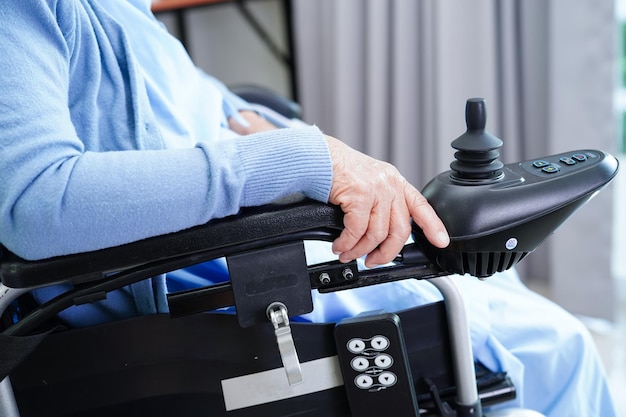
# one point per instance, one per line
(383, 361)
(363, 381)
(511, 243)
(380, 342)
(356, 345)
(387, 379)
(360, 363)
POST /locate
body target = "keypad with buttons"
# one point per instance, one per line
(372, 362)
(557, 164)
(374, 366)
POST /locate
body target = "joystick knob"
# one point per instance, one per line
(477, 150)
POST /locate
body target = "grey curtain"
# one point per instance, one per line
(390, 77)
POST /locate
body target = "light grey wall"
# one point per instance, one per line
(581, 71)
(223, 44)
(565, 94)
(545, 69)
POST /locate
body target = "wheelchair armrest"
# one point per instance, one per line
(293, 218)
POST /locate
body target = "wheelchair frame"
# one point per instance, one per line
(295, 219)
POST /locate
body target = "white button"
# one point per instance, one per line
(356, 345)
(511, 244)
(387, 379)
(380, 342)
(383, 361)
(364, 381)
(360, 363)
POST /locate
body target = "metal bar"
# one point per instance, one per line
(8, 405)
(460, 339)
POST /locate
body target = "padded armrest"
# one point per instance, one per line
(293, 218)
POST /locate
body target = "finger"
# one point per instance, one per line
(355, 222)
(386, 252)
(377, 231)
(399, 232)
(426, 218)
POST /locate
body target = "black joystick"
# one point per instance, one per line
(477, 157)
(497, 214)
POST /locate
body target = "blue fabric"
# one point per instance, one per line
(80, 95)
(87, 83)
(79, 98)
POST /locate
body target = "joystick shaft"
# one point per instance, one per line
(477, 150)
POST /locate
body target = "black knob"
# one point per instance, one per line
(477, 156)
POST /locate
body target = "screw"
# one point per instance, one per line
(324, 278)
(347, 274)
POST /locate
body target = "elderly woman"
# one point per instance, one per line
(109, 134)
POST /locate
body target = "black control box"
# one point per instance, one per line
(375, 367)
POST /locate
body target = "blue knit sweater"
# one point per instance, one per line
(109, 134)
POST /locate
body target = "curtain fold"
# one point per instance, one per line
(391, 77)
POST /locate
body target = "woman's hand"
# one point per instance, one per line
(377, 201)
(256, 123)
(378, 204)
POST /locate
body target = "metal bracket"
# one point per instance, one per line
(277, 313)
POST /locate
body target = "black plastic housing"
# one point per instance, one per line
(494, 225)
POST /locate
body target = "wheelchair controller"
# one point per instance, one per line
(497, 214)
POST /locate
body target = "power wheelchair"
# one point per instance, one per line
(258, 362)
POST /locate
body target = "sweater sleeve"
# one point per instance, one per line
(75, 181)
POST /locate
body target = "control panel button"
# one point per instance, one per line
(540, 164)
(550, 169)
(580, 157)
(383, 361)
(567, 161)
(356, 345)
(364, 381)
(387, 379)
(380, 342)
(360, 363)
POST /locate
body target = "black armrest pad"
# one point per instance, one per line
(289, 219)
